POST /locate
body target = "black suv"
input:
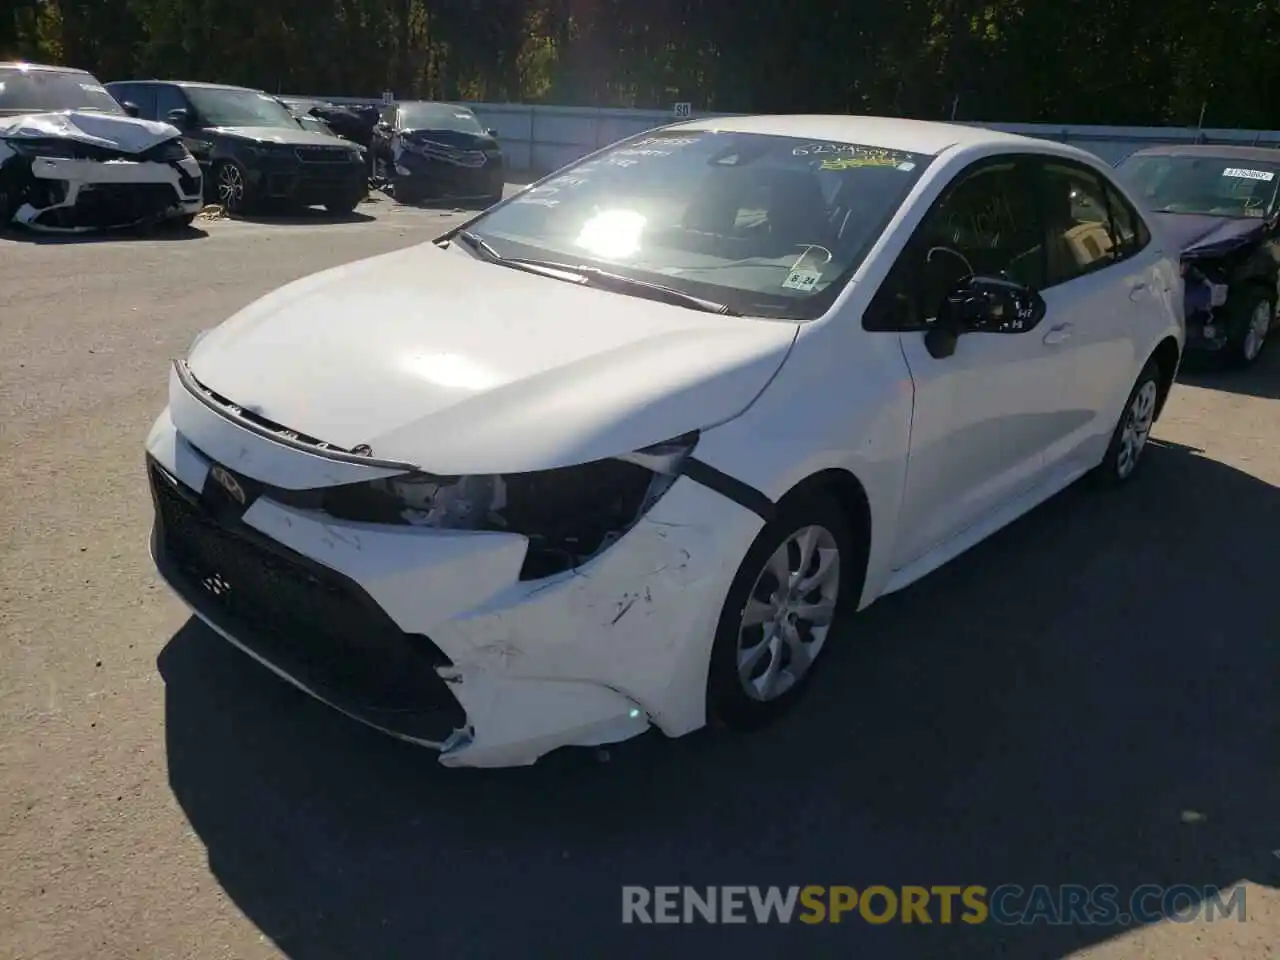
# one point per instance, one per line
(250, 147)
(438, 151)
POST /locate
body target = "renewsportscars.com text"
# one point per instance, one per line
(1009, 904)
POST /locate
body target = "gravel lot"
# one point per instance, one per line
(1043, 711)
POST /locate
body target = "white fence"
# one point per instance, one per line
(544, 138)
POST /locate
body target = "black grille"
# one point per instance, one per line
(310, 621)
(113, 204)
(324, 155)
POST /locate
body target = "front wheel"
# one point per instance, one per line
(1252, 325)
(232, 187)
(343, 205)
(792, 589)
(1134, 429)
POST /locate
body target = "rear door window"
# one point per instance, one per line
(1079, 238)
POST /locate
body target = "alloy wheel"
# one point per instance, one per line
(1256, 333)
(788, 613)
(1137, 428)
(230, 187)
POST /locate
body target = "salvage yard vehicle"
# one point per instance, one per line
(437, 151)
(72, 160)
(631, 449)
(1220, 205)
(251, 149)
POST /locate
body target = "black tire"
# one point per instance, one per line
(1239, 314)
(344, 205)
(408, 194)
(728, 702)
(233, 202)
(491, 201)
(180, 223)
(1116, 468)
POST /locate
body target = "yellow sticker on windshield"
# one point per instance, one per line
(853, 163)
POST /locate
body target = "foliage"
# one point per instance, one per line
(1084, 61)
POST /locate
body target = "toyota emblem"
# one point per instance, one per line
(229, 484)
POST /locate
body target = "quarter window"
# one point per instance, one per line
(1078, 230)
(1130, 232)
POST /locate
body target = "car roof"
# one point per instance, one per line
(192, 84)
(1218, 151)
(432, 103)
(890, 133)
(41, 67)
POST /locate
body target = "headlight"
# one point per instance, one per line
(168, 151)
(568, 515)
(56, 149)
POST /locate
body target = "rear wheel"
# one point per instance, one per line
(180, 223)
(1134, 429)
(791, 591)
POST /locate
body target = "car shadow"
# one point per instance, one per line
(307, 216)
(159, 232)
(1042, 711)
(1261, 379)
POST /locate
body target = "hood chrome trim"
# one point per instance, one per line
(329, 452)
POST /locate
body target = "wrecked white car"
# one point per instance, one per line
(72, 159)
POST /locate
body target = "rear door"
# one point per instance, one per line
(1100, 284)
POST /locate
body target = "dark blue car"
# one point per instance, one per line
(1221, 206)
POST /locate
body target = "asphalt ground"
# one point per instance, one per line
(1092, 697)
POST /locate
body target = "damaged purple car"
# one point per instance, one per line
(1219, 204)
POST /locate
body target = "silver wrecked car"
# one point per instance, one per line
(72, 159)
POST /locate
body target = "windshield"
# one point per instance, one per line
(770, 226)
(221, 107)
(438, 116)
(49, 90)
(1209, 186)
(315, 125)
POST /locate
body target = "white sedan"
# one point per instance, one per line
(632, 448)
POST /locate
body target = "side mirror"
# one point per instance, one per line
(131, 108)
(180, 118)
(983, 305)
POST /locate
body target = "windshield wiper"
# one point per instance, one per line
(596, 277)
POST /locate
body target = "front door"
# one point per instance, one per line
(984, 416)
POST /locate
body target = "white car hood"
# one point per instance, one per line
(127, 134)
(459, 366)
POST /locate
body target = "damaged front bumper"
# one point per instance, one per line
(430, 635)
(60, 194)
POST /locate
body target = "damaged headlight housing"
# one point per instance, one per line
(568, 515)
(54, 149)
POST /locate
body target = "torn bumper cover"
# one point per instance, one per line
(55, 176)
(443, 636)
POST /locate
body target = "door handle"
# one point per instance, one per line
(1059, 333)
(1136, 289)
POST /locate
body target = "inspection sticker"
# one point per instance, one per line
(802, 279)
(1264, 175)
